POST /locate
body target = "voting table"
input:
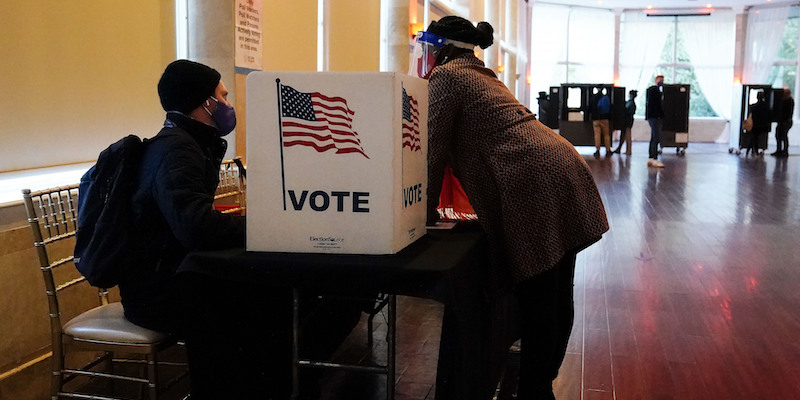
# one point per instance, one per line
(449, 266)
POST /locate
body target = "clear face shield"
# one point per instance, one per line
(426, 49)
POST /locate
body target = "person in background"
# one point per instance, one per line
(784, 124)
(761, 123)
(626, 134)
(600, 111)
(534, 195)
(654, 113)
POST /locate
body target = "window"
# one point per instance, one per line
(784, 70)
(678, 48)
(321, 36)
(677, 68)
(570, 45)
(181, 29)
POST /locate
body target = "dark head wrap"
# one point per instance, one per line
(460, 29)
(186, 84)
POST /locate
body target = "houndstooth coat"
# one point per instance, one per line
(533, 193)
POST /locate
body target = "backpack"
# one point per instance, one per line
(603, 105)
(104, 248)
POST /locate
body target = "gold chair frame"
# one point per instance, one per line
(52, 215)
(231, 190)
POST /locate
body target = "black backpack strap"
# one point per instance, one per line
(242, 170)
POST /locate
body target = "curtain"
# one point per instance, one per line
(642, 41)
(548, 46)
(591, 45)
(765, 28)
(710, 44)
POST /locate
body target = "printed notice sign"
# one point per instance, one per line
(248, 34)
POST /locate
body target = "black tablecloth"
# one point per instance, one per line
(447, 266)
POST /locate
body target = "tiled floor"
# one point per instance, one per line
(419, 324)
(693, 294)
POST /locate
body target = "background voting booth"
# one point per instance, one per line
(744, 96)
(675, 128)
(548, 107)
(568, 109)
(336, 161)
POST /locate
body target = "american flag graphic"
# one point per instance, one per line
(318, 121)
(410, 122)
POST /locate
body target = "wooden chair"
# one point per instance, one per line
(231, 194)
(75, 323)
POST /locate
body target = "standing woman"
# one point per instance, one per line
(533, 193)
(625, 134)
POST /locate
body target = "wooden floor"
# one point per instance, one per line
(693, 294)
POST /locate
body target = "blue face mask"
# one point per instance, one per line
(660, 83)
(224, 116)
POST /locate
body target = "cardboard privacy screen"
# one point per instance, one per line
(336, 161)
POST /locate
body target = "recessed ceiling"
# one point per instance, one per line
(738, 5)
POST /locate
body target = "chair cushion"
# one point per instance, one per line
(107, 323)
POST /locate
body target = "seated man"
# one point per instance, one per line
(172, 202)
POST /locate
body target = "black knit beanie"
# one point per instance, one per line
(185, 85)
(460, 29)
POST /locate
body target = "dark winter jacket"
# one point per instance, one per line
(173, 207)
(654, 107)
(534, 195)
(786, 109)
(762, 122)
(594, 111)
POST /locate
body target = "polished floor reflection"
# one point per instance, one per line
(693, 294)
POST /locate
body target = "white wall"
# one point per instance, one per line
(77, 77)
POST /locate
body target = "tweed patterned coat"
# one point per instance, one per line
(533, 193)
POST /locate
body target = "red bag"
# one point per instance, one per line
(453, 202)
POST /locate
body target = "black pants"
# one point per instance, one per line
(782, 135)
(655, 136)
(547, 313)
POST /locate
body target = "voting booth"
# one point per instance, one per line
(744, 96)
(574, 110)
(548, 107)
(337, 162)
(675, 128)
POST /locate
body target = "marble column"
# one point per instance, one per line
(491, 55)
(398, 36)
(211, 42)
